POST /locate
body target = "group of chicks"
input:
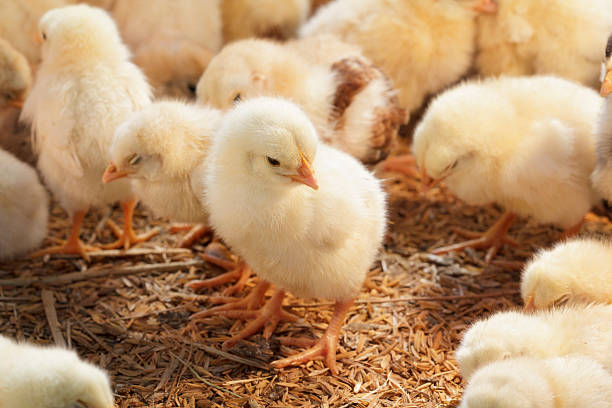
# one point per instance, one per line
(272, 156)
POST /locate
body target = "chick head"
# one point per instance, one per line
(15, 76)
(173, 69)
(606, 70)
(515, 383)
(242, 70)
(79, 33)
(159, 141)
(268, 142)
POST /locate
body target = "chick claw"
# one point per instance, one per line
(195, 232)
(215, 254)
(76, 247)
(251, 302)
(128, 238)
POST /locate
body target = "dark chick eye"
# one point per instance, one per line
(454, 164)
(44, 36)
(273, 162)
(191, 88)
(237, 98)
(135, 159)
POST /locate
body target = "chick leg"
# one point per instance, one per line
(402, 164)
(128, 237)
(251, 302)
(494, 238)
(326, 346)
(195, 232)
(240, 273)
(73, 244)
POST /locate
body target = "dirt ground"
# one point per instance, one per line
(129, 313)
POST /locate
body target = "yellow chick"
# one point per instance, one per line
(23, 222)
(84, 88)
(579, 329)
(562, 382)
(556, 37)
(15, 76)
(602, 176)
(577, 270)
(306, 217)
(526, 144)
(423, 45)
(350, 101)
(49, 377)
(262, 18)
(172, 41)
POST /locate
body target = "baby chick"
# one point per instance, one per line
(422, 45)
(84, 89)
(602, 176)
(23, 222)
(172, 41)
(49, 377)
(527, 144)
(262, 18)
(305, 216)
(563, 382)
(351, 102)
(557, 37)
(579, 329)
(577, 270)
(15, 76)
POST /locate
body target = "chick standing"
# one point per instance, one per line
(311, 236)
(23, 222)
(579, 329)
(52, 377)
(526, 144)
(572, 381)
(578, 270)
(350, 101)
(555, 37)
(84, 89)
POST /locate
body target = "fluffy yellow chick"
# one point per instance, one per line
(563, 382)
(85, 87)
(423, 45)
(49, 377)
(602, 176)
(579, 329)
(15, 76)
(305, 216)
(350, 101)
(18, 24)
(172, 41)
(262, 18)
(526, 144)
(23, 222)
(557, 37)
(577, 270)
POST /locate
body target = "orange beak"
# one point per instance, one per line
(485, 6)
(427, 182)
(606, 85)
(15, 103)
(529, 305)
(38, 38)
(111, 173)
(305, 174)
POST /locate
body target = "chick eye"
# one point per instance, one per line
(134, 159)
(191, 88)
(44, 36)
(273, 162)
(237, 98)
(452, 166)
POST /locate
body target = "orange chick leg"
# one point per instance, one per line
(404, 164)
(326, 346)
(494, 238)
(251, 302)
(73, 244)
(128, 237)
(194, 232)
(240, 273)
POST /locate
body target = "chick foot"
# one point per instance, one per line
(405, 164)
(127, 237)
(251, 302)
(73, 245)
(217, 254)
(194, 232)
(494, 238)
(326, 346)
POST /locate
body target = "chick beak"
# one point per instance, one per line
(606, 85)
(112, 173)
(38, 38)
(529, 305)
(305, 174)
(15, 103)
(485, 6)
(427, 182)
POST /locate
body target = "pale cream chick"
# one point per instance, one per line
(23, 222)
(350, 101)
(526, 144)
(305, 216)
(15, 76)
(423, 45)
(557, 37)
(563, 382)
(262, 18)
(602, 176)
(85, 87)
(575, 271)
(579, 329)
(172, 41)
(50, 377)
